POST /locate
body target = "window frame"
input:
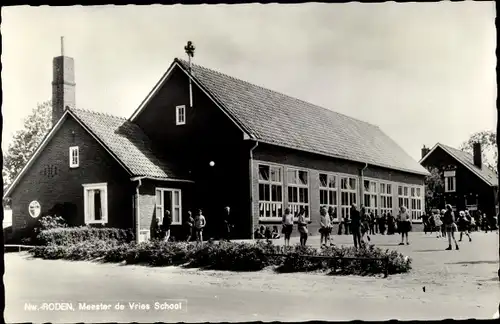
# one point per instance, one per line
(269, 205)
(345, 210)
(453, 179)
(178, 109)
(386, 196)
(173, 205)
(295, 206)
(72, 163)
(329, 189)
(372, 195)
(103, 187)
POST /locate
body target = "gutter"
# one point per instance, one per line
(137, 219)
(251, 184)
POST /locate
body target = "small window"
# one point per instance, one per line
(180, 115)
(95, 203)
(74, 157)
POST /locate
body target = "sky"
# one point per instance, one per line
(423, 72)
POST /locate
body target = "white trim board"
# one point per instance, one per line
(443, 147)
(47, 139)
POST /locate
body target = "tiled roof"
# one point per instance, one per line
(468, 161)
(281, 120)
(128, 143)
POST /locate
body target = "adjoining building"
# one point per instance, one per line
(224, 143)
(468, 182)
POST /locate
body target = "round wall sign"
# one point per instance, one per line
(34, 209)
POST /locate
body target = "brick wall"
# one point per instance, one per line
(51, 181)
(147, 204)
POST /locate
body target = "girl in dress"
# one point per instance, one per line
(325, 226)
(287, 226)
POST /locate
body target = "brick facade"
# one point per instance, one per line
(51, 181)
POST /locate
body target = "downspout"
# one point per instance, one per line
(362, 185)
(251, 186)
(137, 209)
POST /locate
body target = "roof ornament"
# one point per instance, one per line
(189, 49)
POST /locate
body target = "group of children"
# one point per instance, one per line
(194, 226)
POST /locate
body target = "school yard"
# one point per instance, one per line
(458, 284)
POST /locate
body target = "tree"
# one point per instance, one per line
(434, 186)
(26, 141)
(488, 140)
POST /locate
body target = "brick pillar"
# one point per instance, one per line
(63, 86)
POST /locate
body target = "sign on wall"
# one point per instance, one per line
(34, 209)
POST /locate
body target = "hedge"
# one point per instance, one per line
(231, 256)
(75, 235)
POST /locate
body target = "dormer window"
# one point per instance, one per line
(74, 157)
(180, 115)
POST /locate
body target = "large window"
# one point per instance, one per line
(386, 198)
(328, 192)
(298, 191)
(417, 197)
(270, 192)
(169, 199)
(450, 181)
(370, 196)
(348, 195)
(403, 197)
(95, 203)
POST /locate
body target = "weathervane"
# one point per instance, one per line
(189, 49)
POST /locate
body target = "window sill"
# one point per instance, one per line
(278, 220)
(74, 166)
(96, 222)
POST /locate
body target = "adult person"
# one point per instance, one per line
(356, 226)
(404, 224)
(325, 224)
(189, 226)
(302, 226)
(199, 224)
(463, 225)
(287, 222)
(450, 226)
(165, 226)
(227, 224)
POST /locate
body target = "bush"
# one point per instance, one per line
(232, 256)
(50, 222)
(75, 235)
(368, 264)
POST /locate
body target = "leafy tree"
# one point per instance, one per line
(488, 140)
(26, 141)
(434, 186)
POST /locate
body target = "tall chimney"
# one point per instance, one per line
(425, 150)
(477, 154)
(63, 84)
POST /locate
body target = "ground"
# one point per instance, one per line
(458, 284)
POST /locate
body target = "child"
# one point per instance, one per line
(275, 234)
(259, 233)
(287, 226)
(199, 224)
(267, 233)
(463, 225)
(325, 224)
(189, 226)
(302, 226)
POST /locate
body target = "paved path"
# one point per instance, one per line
(459, 284)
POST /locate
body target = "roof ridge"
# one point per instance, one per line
(98, 113)
(276, 92)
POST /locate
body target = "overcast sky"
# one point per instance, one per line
(423, 72)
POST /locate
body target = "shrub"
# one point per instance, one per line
(50, 222)
(74, 235)
(231, 256)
